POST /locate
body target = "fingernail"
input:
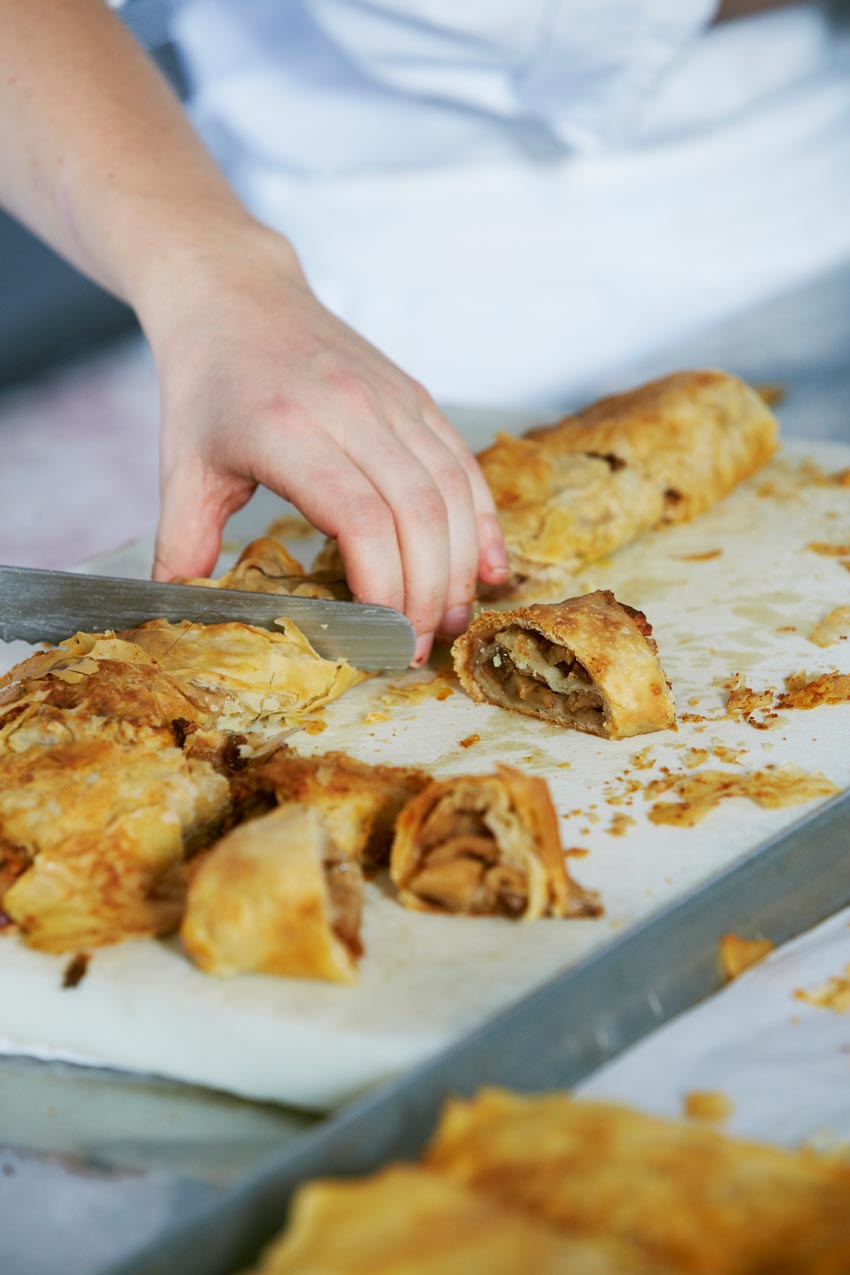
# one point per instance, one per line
(455, 620)
(496, 560)
(423, 649)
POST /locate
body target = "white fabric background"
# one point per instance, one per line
(517, 201)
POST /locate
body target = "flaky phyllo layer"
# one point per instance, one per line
(485, 845)
(115, 753)
(589, 663)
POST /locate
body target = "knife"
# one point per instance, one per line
(47, 606)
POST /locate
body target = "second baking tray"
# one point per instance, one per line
(553, 1038)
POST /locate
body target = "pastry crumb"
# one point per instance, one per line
(828, 688)
(620, 824)
(697, 795)
(711, 1106)
(469, 740)
(737, 954)
(743, 703)
(375, 716)
(833, 628)
(829, 550)
(75, 970)
(314, 726)
(437, 688)
(700, 557)
(834, 994)
(772, 393)
(695, 757)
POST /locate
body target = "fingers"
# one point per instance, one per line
(191, 519)
(492, 566)
(338, 498)
(421, 522)
(449, 478)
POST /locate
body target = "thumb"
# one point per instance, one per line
(192, 515)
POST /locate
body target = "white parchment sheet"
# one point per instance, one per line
(736, 591)
(783, 1062)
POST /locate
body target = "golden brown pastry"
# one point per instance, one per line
(115, 689)
(260, 683)
(686, 1195)
(276, 896)
(589, 662)
(267, 566)
(664, 452)
(360, 803)
(485, 845)
(407, 1221)
(93, 835)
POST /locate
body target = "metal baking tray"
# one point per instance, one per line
(552, 1038)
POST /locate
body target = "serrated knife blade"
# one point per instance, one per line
(47, 606)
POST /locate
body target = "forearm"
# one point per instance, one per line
(97, 156)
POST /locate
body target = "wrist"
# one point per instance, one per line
(235, 254)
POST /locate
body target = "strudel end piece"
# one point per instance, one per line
(588, 662)
(276, 896)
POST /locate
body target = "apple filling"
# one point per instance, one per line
(524, 670)
(473, 854)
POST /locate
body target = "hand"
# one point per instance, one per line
(261, 384)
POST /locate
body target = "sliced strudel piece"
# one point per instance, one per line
(276, 896)
(589, 662)
(485, 845)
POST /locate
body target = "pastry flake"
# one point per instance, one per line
(697, 795)
(589, 663)
(276, 896)
(93, 836)
(407, 1221)
(834, 994)
(485, 845)
(257, 682)
(360, 803)
(572, 492)
(737, 954)
(683, 1193)
(267, 566)
(833, 628)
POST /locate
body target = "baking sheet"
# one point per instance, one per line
(426, 978)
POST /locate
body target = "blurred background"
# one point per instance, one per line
(78, 397)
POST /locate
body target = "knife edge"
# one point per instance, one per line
(47, 606)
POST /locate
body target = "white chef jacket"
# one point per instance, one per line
(517, 199)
